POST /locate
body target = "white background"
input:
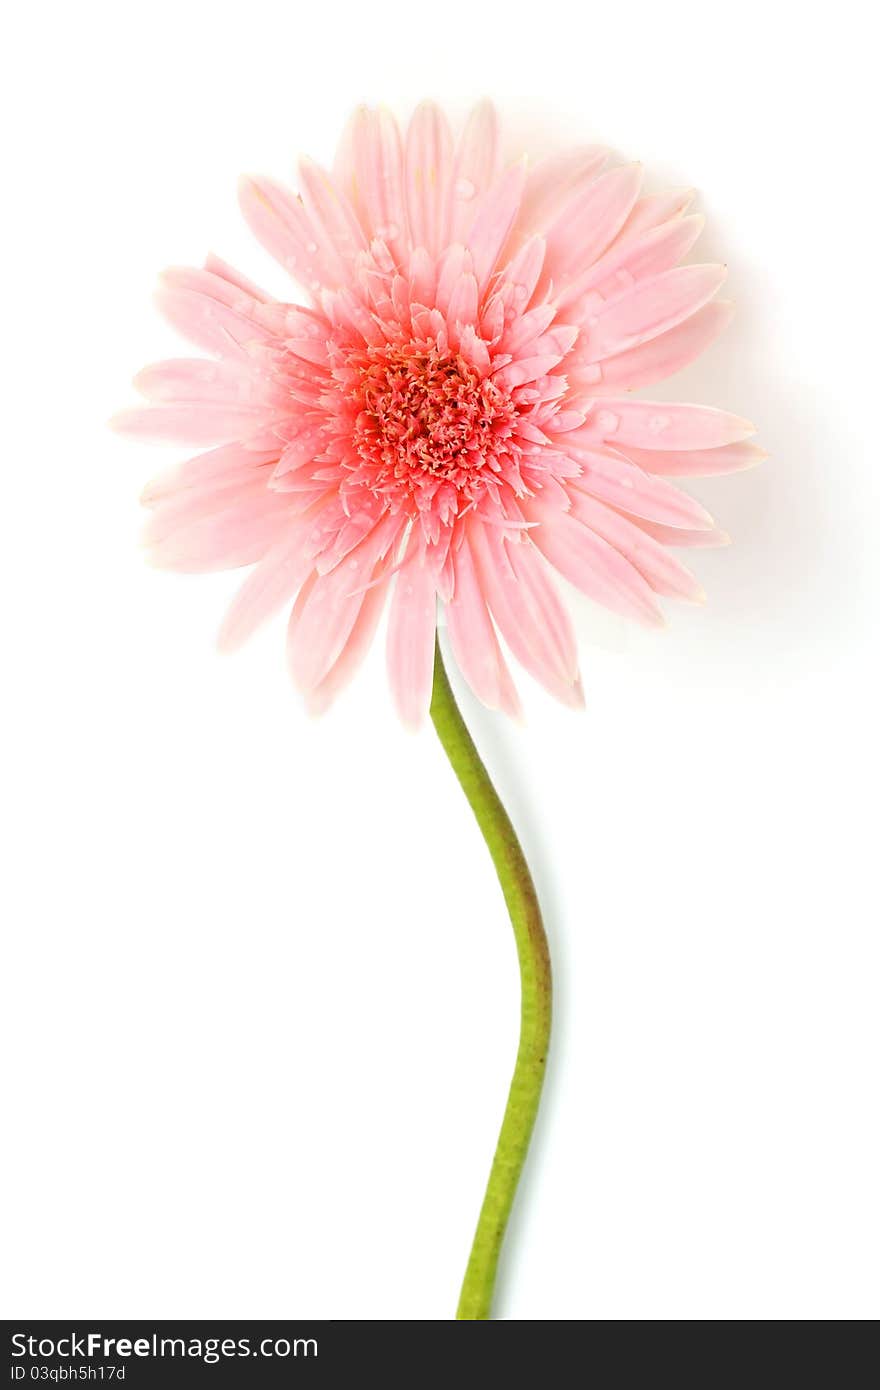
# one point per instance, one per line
(260, 996)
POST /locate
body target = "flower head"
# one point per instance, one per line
(448, 416)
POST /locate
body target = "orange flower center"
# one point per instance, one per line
(426, 414)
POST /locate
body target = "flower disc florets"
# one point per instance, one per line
(425, 419)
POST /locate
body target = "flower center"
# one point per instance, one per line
(425, 417)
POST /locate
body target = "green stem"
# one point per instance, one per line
(534, 964)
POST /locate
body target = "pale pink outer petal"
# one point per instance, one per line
(271, 584)
(412, 624)
(555, 181)
(320, 629)
(592, 565)
(586, 226)
(378, 169)
(665, 355)
(647, 309)
(655, 208)
(248, 499)
(343, 160)
(359, 641)
(665, 574)
(681, 537)
(492, 224)
(429, 154)
(222, 270)
(454, 263)
(463, 305)
(281, 225)
(332, 217)
(473, 640)
(477, 162)
(193, 423)
(231, 464)
(630, 259)
(522, 273)
(630, 489)
(660, 425)
(698, 463)
(530, 616)
(199, 381)
(209, 312)
(225, 540)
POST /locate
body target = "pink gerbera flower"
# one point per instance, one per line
(448, 417)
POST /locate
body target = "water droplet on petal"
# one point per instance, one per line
(520, 291)
(388, 232)
(607, 421)
(312, 248)
(465, 189)
(658, 423)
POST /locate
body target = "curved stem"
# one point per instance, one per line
(534, 963)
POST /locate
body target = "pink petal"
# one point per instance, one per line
(698, 463)
(378, 167)
(221, 270)
(228, 540)
(647, 309)
(249, 501)
(317, 637)
(476, 166)
(196, 380)
(585, 227)
(492, 224)
(654, 209)
(454, 263)
(659, 425)
(209, 312)
(191, 424)
(270, 585)
(555, 181)
(524, 370)
(428, 177)
(629, 259)
(664, 573)
(473, 639)
(335, 225)
(613, 479)
(522, 273)
(525, 605)
(525, 328)
(217, 468)
(665, 355)
(358, 644)
(463, 302)
(591, 564)
(281, 225)
(343, 163)
(682, 538)
(412, 623)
